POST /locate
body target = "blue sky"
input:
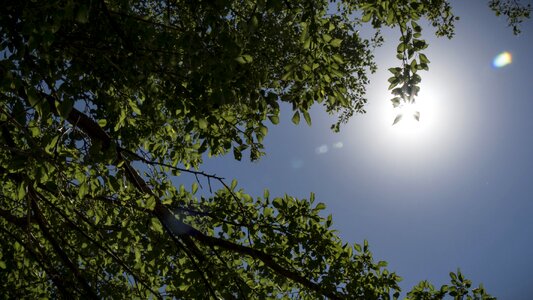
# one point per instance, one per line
(454, 193)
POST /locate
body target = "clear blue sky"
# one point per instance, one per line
(458, 194)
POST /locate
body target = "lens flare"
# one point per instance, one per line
(503, 59)
(338, 145)
(321, 149)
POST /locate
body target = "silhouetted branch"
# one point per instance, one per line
(59, 251)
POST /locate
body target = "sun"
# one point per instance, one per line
(408, 120)
(415, 120)
(418, 148)
(407, 116)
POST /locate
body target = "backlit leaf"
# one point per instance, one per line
(296, 118)
(397, 119)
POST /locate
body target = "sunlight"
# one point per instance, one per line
(415, 147)
(408, 116)
(417, 119)
(418, 148)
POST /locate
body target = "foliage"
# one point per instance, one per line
(514, 11)
(105, 103)
(460, 288)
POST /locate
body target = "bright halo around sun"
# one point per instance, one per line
(407, 116)
(421, 148)
(418, 119)
(424, 122)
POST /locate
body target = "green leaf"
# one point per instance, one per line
(417, 28)
(400, 48)
(390, 17)
(267, 211)
(307, 117)
(336, 43)
(419, 44)
(296, 118)
(274, 119)
(50, 147)
(121, 119)
(367, 17)
(453, 276)
(244, 59)
(278, 203)
(21, 191)
(135, 108)
(395, 71)
(202, 123)
(394, 83)
(382, 264)
(320, 206)
(263, 130)
(423, 58)
(102, 122)
(287, 75)
(156, 225)
(414, 66)
(137, 253)
(338, 58)
(237, 153)
(305, 32)
(307, 43)
(150, 202)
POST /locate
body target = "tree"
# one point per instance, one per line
(105, 103)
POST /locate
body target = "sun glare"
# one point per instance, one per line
(418, 119)
(409, 119)
(417, 147)
(407, 116)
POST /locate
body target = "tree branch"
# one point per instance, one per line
(176, 227)
(180, 228)
(52, 273)
(62, 255)
(98, 245)
(17, 221)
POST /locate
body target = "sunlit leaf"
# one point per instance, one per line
(244, 59)
(296, 118)
(336, 42)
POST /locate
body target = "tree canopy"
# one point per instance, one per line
(106, 104)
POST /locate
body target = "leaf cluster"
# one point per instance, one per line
(515, 12)
(106, 105)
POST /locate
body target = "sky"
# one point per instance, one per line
(454, 192)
